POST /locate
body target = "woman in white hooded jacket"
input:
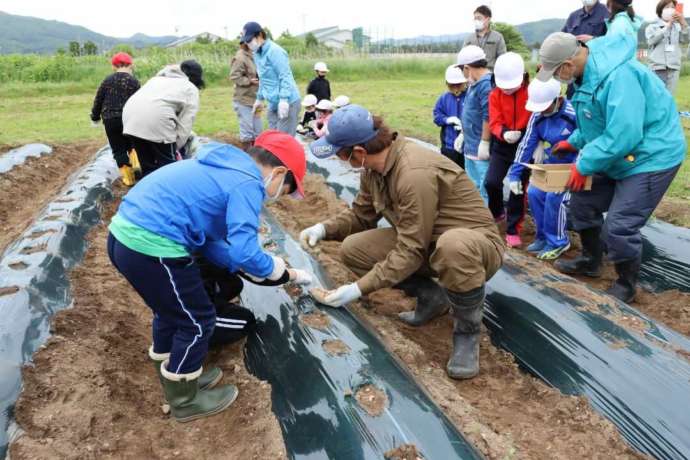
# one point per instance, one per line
(664, 39)
(159, 117)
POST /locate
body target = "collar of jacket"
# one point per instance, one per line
(264, 48)
(393, 154)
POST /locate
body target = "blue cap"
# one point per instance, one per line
(249, 31)
(352, 125)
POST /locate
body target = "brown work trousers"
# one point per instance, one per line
(462, 259)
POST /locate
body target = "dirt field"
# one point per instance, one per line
(503, 411)
(92, 392)
(27, 188)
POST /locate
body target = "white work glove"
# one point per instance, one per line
(312, 235)
(283, 109)
(453, 121)
(94, 124)
(512, 137)
(300, 277)
(457, 145)
(257, 107)
(484, 151)
(516, 188)
(279, 267)
(343, 295)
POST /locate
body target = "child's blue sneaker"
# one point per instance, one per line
(537, 246)
(551, 253)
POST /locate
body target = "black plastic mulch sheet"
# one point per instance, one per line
(313, 391)
(33, 274)
(635, 371)
(665, 257)
(19, 155)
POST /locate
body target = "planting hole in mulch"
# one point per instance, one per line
(33, 249)
(18, 266)
(8, 290)
(372, 399)
(316, 319)
(293, 290)
(52, 218)
(404, 452)
(335, 347)
(39, 233)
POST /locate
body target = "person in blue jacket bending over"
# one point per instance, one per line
(630, 139)
(448, 114)
(552, 121)
(277, 87)
(207, 207)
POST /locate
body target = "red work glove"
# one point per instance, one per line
(562, 149)
(577, 181)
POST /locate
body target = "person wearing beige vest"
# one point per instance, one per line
(442, 244)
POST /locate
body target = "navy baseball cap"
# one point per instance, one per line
(352, 125)
(249, 31)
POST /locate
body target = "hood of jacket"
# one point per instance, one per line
(606, 54)
(227, 156)
(172, 71)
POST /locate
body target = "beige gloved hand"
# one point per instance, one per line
(457, 145)
(484, 151)
(309, 237)
(342, 296)
(95, 124)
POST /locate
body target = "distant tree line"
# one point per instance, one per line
(76, 49)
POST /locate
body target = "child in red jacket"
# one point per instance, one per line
(508, 119)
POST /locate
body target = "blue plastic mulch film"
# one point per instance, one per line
(665, 257)
(313, 392)
(19, 155)
(34, 281)
(635, 371)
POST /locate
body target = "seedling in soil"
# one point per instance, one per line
(372, 399)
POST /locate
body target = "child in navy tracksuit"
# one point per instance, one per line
(546, 128)
(448, 113)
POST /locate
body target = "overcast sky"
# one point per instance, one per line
(381, 19)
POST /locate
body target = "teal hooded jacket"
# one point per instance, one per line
(276, 81)
(627, 121)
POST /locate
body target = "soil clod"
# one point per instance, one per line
(18, 266)
(404, 452)
(335, 347)
(372, 399)
(316, 319)
(33, 249)
(4, 291)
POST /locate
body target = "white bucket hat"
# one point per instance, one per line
(309, 100)
(470, 54)
(542, 94)
(509, 71)
(454, 75)
(321, 67)
(325, 105)
(341, 101)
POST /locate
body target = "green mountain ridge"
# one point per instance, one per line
(25, 34)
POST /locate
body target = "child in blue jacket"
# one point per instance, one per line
(203, 207)
(553, 120)
(448, 113)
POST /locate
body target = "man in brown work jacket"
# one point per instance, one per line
(440, 229)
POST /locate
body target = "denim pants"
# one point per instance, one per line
(287, 125)
(477, 170)
(250, 125)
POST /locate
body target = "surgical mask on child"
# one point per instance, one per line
(479, 25)
(509, 92)
(253, 44)
(667, 14)
(279, 191)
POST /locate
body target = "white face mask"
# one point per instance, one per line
(253, 44)
(349, 164)
(589, 3)
(479, 25)
(667, 14)
(279, 191)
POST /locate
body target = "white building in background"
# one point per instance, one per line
(187, 40)
(334, 37)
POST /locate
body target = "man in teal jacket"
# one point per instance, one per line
(630, 139)
(277, 86)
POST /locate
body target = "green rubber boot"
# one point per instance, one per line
(188, 402)
(208, 379)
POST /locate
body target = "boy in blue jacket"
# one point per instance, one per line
(448, 113)
(207, 206)
(553, 120)
(630, 140)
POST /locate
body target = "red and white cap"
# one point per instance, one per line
(121, 59)
(289, 151)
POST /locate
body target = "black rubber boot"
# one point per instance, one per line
(467, 309)
(589, 262)
(432, 300)
(624, 288)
